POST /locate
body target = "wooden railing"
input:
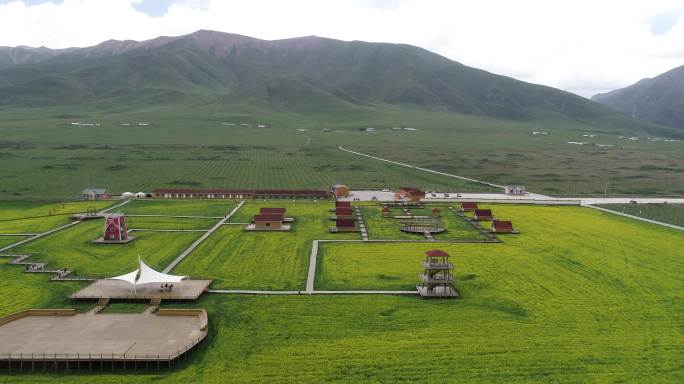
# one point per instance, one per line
(36, 312)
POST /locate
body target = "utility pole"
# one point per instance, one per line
(605, 190)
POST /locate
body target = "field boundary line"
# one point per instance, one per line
(177, 216)
(651, 221)
(38, 236)
(166, 230)
(197, 242)
(421, 168)
(252, 292)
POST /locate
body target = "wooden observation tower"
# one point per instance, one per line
(437, 280)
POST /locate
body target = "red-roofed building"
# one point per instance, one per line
(436, 253)
(410, 194)
(468, 206)
(502, 226)
(268, 221)
(483, 215)
(273, 210)
(342, 204)
(386, 211)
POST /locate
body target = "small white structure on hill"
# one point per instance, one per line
(515, 190)
(127, 195)
(94, 194)
(140, 195)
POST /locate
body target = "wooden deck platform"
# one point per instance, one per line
(37, 336)
(116, 289)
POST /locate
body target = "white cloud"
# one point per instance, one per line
(582, 46)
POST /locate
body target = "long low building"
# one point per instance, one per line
(239, 193)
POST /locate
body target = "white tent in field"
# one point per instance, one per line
(146, 275)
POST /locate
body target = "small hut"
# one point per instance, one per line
(268, 222)
(437, 279)
(386, 211)
(483, 215)
(503, 226)
(276, 211)
(468, 206)
(436, 212)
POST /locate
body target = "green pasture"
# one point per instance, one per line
(209, 208)
(237, 259)
(559, 246)
(667, 213)
(579, 296)
(72, 248)
(314, 339)
(7, 240)
(168, 223)
(20, 290)
(36, 217)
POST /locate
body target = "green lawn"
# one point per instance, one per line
(216, 208)
(236, 259)
(667, 213)
(72, 248)
(34, 217)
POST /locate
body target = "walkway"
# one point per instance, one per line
(38, 236)
(197, 242)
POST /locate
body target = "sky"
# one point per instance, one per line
(582, 46)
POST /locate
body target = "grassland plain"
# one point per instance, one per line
(46, 157)
(35, 217)
(236, 259)
(667, 213)
(72, 248)
(608, 312)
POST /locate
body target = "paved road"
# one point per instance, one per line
(197, 242)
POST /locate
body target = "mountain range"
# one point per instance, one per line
(659, 100)
(297, 75)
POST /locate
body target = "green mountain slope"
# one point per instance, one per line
(659, 100)
(302, 75)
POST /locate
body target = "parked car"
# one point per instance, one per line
(446, 195)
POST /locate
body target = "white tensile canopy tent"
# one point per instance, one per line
(147, 275)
